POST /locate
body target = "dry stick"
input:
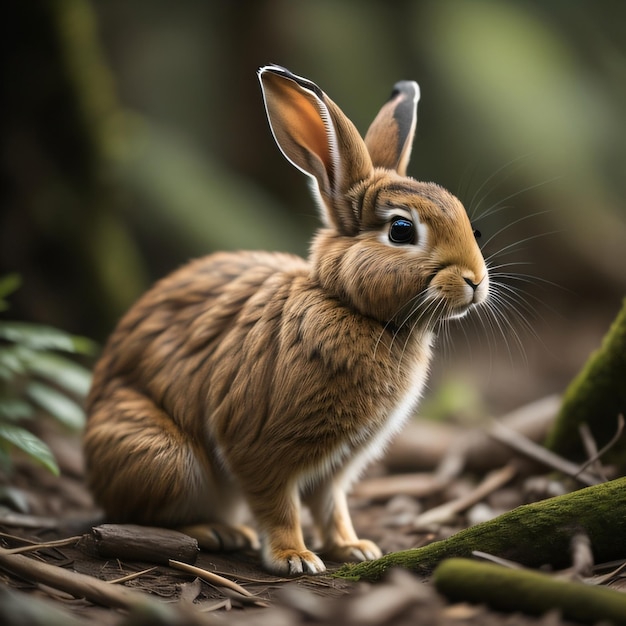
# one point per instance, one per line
(616, 437)
(28, 521)
(78, 585)
(591, 449)
(214, 579)
(605, 578)
(261, 581)
(140, 543)
(33, 547)
(123, 579)
(534, 451)
(492, 481)
(417, 485)
(492, 558)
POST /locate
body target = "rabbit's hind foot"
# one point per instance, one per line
(218, 537)
(360, 550)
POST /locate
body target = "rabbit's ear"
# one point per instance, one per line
(316, 137)
(390, 137)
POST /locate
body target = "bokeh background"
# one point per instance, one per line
(134, 138)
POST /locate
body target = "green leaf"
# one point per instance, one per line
(40, 337)
(57, 369)
(57, 404)
(8, 284)
(14, 409)
(11, 363)
(30, 444)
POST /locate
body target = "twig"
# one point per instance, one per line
(591, 450)
(215, 579)
(10, 518)
(78, 585)
(599, 454)
(492, 481)
(418, 485)
(492, 558)
(123, 579)
(260, 581)
(33, 547)
(605, 578)
(534, 451)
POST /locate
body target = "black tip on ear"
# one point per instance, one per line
(407, 94)
(285, 73)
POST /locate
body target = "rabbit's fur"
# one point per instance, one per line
(263, 379)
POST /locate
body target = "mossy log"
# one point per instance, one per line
(462, 580)
(532, 534)
(595, 397)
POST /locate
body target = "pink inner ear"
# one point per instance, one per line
(309, 130)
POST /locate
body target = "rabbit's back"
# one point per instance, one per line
(165, 340)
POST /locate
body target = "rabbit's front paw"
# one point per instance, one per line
(294, 562)
(361, 550)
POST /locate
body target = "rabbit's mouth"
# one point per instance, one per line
(453, 292)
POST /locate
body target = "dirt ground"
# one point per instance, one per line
(40, 507)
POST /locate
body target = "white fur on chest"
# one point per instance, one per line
(375, 446)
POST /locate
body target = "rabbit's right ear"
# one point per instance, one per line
(390, 137)
(316, 137)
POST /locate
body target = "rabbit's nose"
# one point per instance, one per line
(471, 283)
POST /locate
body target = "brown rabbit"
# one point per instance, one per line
(262, 379)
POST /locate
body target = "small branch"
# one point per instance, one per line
(77, 585)
(123, 579)
(215, 579)
(599, 454)
(33, 547)
(417, 485)
(529, 448)
(492, 481)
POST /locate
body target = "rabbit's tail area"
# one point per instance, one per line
(140, 465)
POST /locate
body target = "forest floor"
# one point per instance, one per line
(386, 506)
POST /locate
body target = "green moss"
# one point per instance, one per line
(595, 397)
(532, 534)
(528, 592)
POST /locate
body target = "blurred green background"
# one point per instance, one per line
(134, 138)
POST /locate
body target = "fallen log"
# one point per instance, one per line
(129, 542)
(532, 534)
(534, 593)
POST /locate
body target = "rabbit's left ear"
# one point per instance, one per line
(390, 137)
(318, 139)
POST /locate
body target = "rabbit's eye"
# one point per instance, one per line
(402, 231)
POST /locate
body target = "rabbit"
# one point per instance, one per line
(254, 382)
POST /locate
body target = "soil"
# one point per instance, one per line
(40, 507)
